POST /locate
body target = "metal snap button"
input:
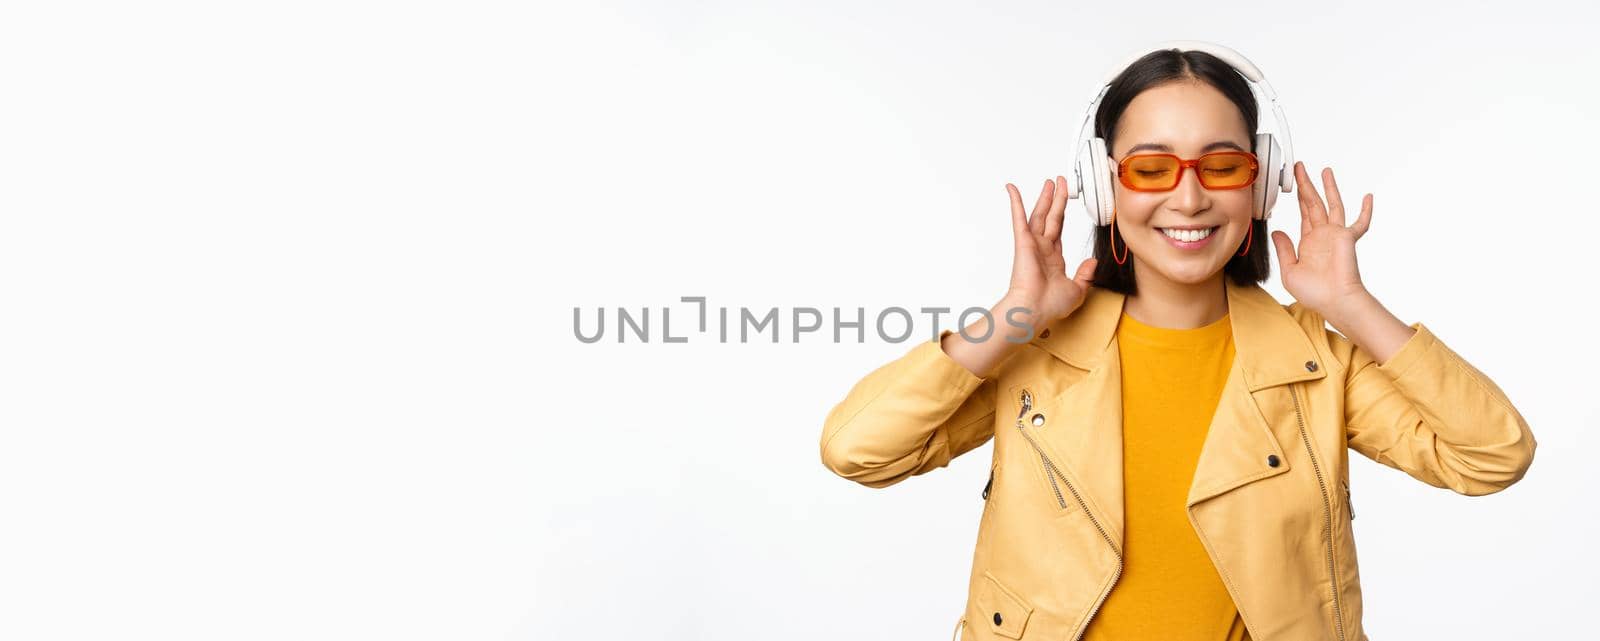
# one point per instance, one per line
(1311, 366)
(1272, 460)
(1038, 419)
(997, 618)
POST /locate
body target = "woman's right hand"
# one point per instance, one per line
(1039, 280)
(1039, 283)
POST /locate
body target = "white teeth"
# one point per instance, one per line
(1187, 235)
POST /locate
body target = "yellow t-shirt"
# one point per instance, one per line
(1169, 589)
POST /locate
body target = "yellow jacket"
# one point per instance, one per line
(1270, 496)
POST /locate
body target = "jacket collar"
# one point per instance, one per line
(1270, 350)
(1270, 345)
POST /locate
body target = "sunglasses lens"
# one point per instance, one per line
(1150, 172)
(1226, 170)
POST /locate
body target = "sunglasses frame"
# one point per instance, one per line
(1255, 170)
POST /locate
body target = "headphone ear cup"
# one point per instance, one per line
(1269, 179)
(1094, 181)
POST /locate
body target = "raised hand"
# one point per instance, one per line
(1039, 283)
(1039, 280)
(1323, 274)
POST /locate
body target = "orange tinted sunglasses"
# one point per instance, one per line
(1161, 172)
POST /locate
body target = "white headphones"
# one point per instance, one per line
(1094, 170)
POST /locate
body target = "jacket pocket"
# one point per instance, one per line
(1032, 417)
(1006, 613)
(1349, 508)
(1047, 470)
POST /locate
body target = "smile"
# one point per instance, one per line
(1188, 239)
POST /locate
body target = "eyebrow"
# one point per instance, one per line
(1220, 144)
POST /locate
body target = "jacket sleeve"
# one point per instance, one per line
(1431, 414)
(907, 417)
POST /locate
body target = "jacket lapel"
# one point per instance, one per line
(1270, 350)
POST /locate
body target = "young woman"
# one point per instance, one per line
(1170, 451)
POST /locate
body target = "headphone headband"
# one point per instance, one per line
(1233, 58)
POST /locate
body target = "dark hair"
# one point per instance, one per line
(1154, 69)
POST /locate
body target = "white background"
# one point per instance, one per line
(286, 294)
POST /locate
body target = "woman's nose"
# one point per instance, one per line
(1189, 195)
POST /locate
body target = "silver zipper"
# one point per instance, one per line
(1052, 473)
(1327, 513)
(1049, 469)
(1349, 507)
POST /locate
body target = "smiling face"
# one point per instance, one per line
(1186, 118)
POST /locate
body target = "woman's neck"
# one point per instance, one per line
(1164, 303)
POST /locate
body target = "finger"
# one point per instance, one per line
(1086, 270)
(1041, 209)
(1335, 203)
(1310, 201)
(1285, 249)
(1058, 207)
(1023, 262)
(1019, 219)
(1305, 207)
(1363, 221)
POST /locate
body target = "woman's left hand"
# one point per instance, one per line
(1323, 274)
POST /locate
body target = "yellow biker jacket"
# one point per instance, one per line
(1270, 496)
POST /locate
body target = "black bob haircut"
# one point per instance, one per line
(1159, 68)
